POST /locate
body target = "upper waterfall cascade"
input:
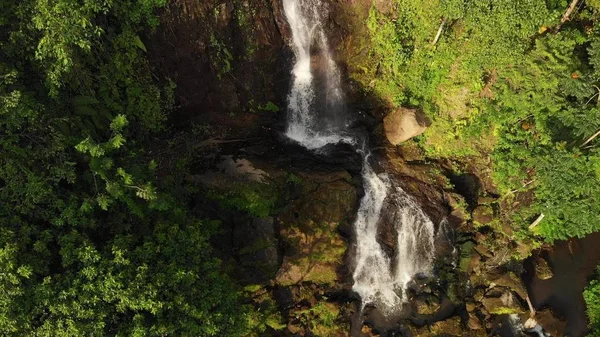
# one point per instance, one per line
(315, 119)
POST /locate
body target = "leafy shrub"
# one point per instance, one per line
(591, 296)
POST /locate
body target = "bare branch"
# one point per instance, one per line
(439, 32)
(537, 221)
(591, 98)
(591, 138)
(213, 141)
(531, 309)
(517, 190)
(567, 16)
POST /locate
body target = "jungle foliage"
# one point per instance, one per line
(592, 302)
(96, 239)
(503, 80)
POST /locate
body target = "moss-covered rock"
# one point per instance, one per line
(449, 327)
(506, 303)
(314, 249)
(428, 305)
(542, 269)
(513, 282)
(483, 214)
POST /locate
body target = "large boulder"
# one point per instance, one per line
(403, 124)
(483, 214)
(513, 282)
(507, 303)
(552, 324)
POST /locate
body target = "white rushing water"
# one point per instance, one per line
(308, 36)
(372, 276)
(315, 103)
(381, 279)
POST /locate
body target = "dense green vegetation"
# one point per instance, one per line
(504, 80)
(95, 237)
(592, 301)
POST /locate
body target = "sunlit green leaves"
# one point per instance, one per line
(591, 296)
(147, 192)
(89, 147)
(81, 207)
(66, 29)
(118, 123)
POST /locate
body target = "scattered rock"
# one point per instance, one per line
(448, 327)
(228, 172)
(480, 237)
(368, 331)
(507, 229)
(457, 204)
(485, 200)
(294, 329)
(483, 251)
(478, 296)
(241, 168)
(403, 124)
(427, 306)
(477, 280)
(475, 267)
(483, 214)
(474, 322)
(547, 320)
(513, 282)
(542, 269)
(524, 248)
(505, 304)
(410, 151)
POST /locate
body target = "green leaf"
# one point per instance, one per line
(103, 201)
(138, 43)
(127, 178)
(117, 141)
(118, 123)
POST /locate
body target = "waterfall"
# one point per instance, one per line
(314, 121)
(380, 279)
(316, 118)
(372, 276)
(416, 239)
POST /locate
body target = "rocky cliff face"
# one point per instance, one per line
(231, 62)
(227, 58)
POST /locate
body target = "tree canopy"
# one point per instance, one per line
(94, 239)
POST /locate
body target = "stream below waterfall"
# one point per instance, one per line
(317, 117)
